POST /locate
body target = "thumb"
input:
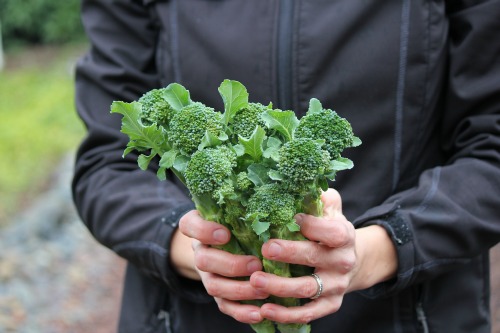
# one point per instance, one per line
(332, 203)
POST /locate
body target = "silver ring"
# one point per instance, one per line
(320, 286)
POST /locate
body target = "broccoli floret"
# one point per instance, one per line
(303, 165)
(273, 202)
(209, 171)
(243, 183)
(246, 119)
(327, 125)
(155, 109)
(189, 125)
(302, 161)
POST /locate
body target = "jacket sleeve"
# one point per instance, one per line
(453, 214)
(127, 210)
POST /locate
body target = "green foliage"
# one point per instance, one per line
(39, 125)
(40, 21)
(245, 167)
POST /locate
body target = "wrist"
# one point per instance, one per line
(376, 257)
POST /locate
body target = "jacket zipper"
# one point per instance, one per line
(284, 54)
(422, 319)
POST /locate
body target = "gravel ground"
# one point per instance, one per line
(55, 278)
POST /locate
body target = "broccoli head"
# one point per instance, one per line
(189, 125)
(274, 203)
(327, 125)
(246, 119)
(209, 172)
(155, 109)
(243, 183)
(301, 161)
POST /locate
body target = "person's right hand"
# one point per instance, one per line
(217, 269)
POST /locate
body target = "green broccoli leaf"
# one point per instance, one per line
(235, 97)
(293, 226)
(314, 106)
(177, 96)
(275, 175)
(260, 227)
(239, 150)
(356, 141)
(253, 145)
(180, 163)
(341, 164)
(167, 160)
(144, 160)
(284, 122)
(141, 137)
(272, 148)
(258, 174)
(212, 140)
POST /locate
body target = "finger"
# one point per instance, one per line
(236, 290)
(220, 262)
(332, 203)
(301, 314)
(207, 232)
(311, 254)
(333, 232)
(299, 287)
(245, 313)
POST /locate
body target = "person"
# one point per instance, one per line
(403, 245)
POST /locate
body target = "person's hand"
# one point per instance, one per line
(345, 260)
(217, 269)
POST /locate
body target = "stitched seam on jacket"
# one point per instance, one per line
(174, 41)
(143, 245)
(430, 264)
(403, 58)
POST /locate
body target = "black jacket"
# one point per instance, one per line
(420, 83)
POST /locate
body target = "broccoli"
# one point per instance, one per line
(325, 124)
(155, 108)
(303, 165)
(189, 126)
(251, 168)
(246, 119)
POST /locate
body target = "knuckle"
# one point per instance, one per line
(347, 263)
(308, 290)
(306, 318)
(312, 258)
(341, 286)
(200, 261)
(212, 288)
(232, 268)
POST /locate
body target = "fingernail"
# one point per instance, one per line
(274, 250)
(260, 282)
(220, 236)
(299, 218)
(253, 266)
(266, 313)
(255, 316)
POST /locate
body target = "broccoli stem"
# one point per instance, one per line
(211, 211)
(265, 326)
(294, 328)
(241, 230)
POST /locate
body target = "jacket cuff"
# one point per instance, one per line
(392, 220)
(191, 290)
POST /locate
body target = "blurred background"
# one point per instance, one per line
(53, 276)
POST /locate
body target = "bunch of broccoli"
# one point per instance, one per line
(250, 168)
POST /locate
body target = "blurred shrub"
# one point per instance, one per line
(40, 21)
